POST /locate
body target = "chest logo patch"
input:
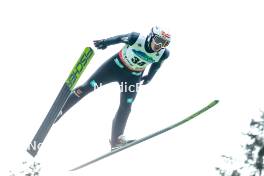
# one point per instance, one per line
(143, 56)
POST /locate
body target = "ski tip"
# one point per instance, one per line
(216, 101)
(213, 103)
(89, 49)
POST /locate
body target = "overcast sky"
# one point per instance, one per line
(216, 53)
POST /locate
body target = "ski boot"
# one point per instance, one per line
(122, 141)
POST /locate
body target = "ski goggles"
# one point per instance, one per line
(160, 41)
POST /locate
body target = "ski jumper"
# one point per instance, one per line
(125, 67)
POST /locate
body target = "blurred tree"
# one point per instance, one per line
(253, 153)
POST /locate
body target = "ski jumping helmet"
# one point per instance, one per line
(159, 36)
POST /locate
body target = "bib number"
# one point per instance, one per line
(137, 61)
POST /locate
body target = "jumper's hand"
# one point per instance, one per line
(145, 80)
(100, 44)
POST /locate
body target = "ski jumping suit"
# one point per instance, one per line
(125, 67)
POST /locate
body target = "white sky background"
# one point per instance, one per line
(216, 53)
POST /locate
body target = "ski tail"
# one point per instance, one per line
(65, 91)
(212, 104)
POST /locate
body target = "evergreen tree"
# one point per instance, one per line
(253, 153)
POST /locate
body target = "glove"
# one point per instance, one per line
(100, 44)
(146, 79)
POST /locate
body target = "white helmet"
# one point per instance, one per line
(159, 36)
